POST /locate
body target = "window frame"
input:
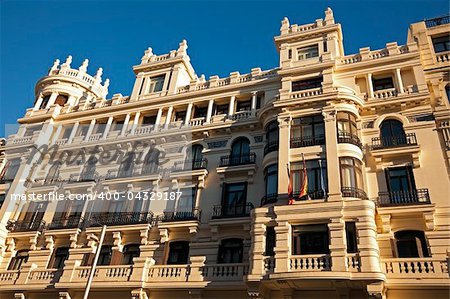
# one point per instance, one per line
(356, 167)
(311, 233)
(233, 249)
(181, 259)
(18, 259)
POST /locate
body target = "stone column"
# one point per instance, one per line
(282, 248)
(135, 122)
(125, 125)
(158, 118)
(210, 111)
(52, 100)
(71, 101)
(74, 132)
(283, 154)
(337, 245)
(38, 103)
(367, 243)
(168, 117)
(197, 262)
(188, 114)
(231, 106)
(257, 250)
(254, 98)
(369, 86)
(108, 127)
(333, 173)
(398, 79)
(90, 129)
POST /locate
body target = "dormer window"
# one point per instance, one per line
(441, 44)
(156, 84)
(382, 83)
(307, 84)
(308, 52)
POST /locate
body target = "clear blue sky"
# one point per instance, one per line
(223, 36)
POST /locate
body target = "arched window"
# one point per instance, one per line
(240, 151)
(60, 256)
(127, 165)
(53, 173)
(130, 251)
(392, 133)
(196, 156)
(411, 243)
(20, 259)
(151, 162)
(178, 253)
(231, 251)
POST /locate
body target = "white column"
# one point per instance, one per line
(231, 106)
(369, 85)
(158, 118)
(74, 131)
(52, 100)
(398, 78)
(57, 133)
(71, 101)
(135, 122)
(38, 103)
(254, 98)
(210, 110)
(188, 114)
(169, 116)
(125, 125)
(108, 127)
(90, 129)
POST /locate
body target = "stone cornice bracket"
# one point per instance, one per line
(49, 242)
(34, 241)
(19, 296)
(11, 245)
(73, 240)
(143, 233)
(164, 235)
(117, 239)
(376, 291)
(329, 114)
(285, 121)
(385, 224)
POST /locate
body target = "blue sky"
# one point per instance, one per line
(223, 36)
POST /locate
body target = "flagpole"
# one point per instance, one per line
(94, 263)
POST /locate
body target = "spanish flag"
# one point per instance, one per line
(304, 189)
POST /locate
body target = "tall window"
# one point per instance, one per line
(185, 203)
(53, 173)
(270, 241)
(178, 253)
(308, 52)
(441, 44)
(240, 151)
(243, 106)
(271, 181)
(307, 84)
(351, 174)
(151, 161)
(382, 83)
(447, 92)
(346, 126)
(130, 251)
(392, 133)
(230, 251)
(12, 167)
(200, 111)
(272, 132)
(45, 102)
(310, 239)
(411, 243)
(350, 233)
(234, 199)
(195, 154)
(18, 260)
(308, 131)
(61, 255)
(221, 109)
(180, 115)
(156, 84)
(104, 259)
(88, 173)
(149, 120)
(316, 170)
(401, 184)
(127, 165)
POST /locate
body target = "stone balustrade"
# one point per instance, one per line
(353, 262)
(385, 93)
(164, 273)
(415, 268)
(310, 263)
(306, 93)
(365, 54)
(9, 276)
(225, 272)
(46, 276)
(443, 57)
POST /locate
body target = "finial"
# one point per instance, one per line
(84, 65)
(54, 66)
(202, 78)
(147, 54)
(68, 61)
(183, 46)
(284, 26)
(98, 75)
(106, 85)
(329, 18)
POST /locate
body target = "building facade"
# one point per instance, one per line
(189, 177)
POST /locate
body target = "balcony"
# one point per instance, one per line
(269, 198)
(66, 223)
(232, 211)
(25, 226)
(168, 273)
(121, 218)
(172, 216)
(191, 165)
(314, 194)
(307, 141)
(394, 141)
(344, 137)
(225, 272)
(404, 197)
(437, 21)
(411, 269)
(244, 159)
(385, 93)
(353, 192)
(310, 263)
(88, 176)
(271, 147)
(241, 115)
(116, 273)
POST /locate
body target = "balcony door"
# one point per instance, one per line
(240, 151)
(392, 133)
(401, 184)
(34, 215)
(234, 199)
(178, 253)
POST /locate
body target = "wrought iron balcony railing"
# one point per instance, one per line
(120, 218)
(172, 216)
(66, 222)
(23, 226)
(232, 211)
(307, 141)
(353, 192)
(269, 198)
(271, 146)
(404, 197)
(191, 165)
(394, 141)
(344, 137)
(249, 158)
(314, 194)
(437, 21)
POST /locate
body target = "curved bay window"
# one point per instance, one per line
(60, 256)
(347, 130)
(352, 184)
(178, 253)
(316, 171)
(271, 137)
(151, 162)
(392, 134)
(130, 251)
(271, 184)
(53, 173)
(127, 165)
(411, 243)
(307, 131)
(230, 251)
(18, 260)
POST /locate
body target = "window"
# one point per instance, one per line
(178, 253)
(351, 173)
(271, 180)
(271, 137)
(127, 165)
(200, 112)
(61, 255)
(307, 84)
(346, 124)
(18, 260)
(129, 252)
(156, 84)
(270, 241)
(2, 199)
(104, 259)
(185, 203)
(447, 92)
(234, 199)
(240, 147)
(308, 131)
(53, 173)
(316, 170)
(441, 44)
(308, 52)
(401, 185)
(149, 120)
(350, 233)
(151, 162)
(88, 173)
(411, 243)
(142, 86)
(392, 133)
(382, 83)
(12, 167)
(44, 102)
(310, 239)
(82, 130)
(243, 106)
(195, 156)
(61, 100)
(118, 125)
(221, 109)
(180, 115)
(230, 251)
